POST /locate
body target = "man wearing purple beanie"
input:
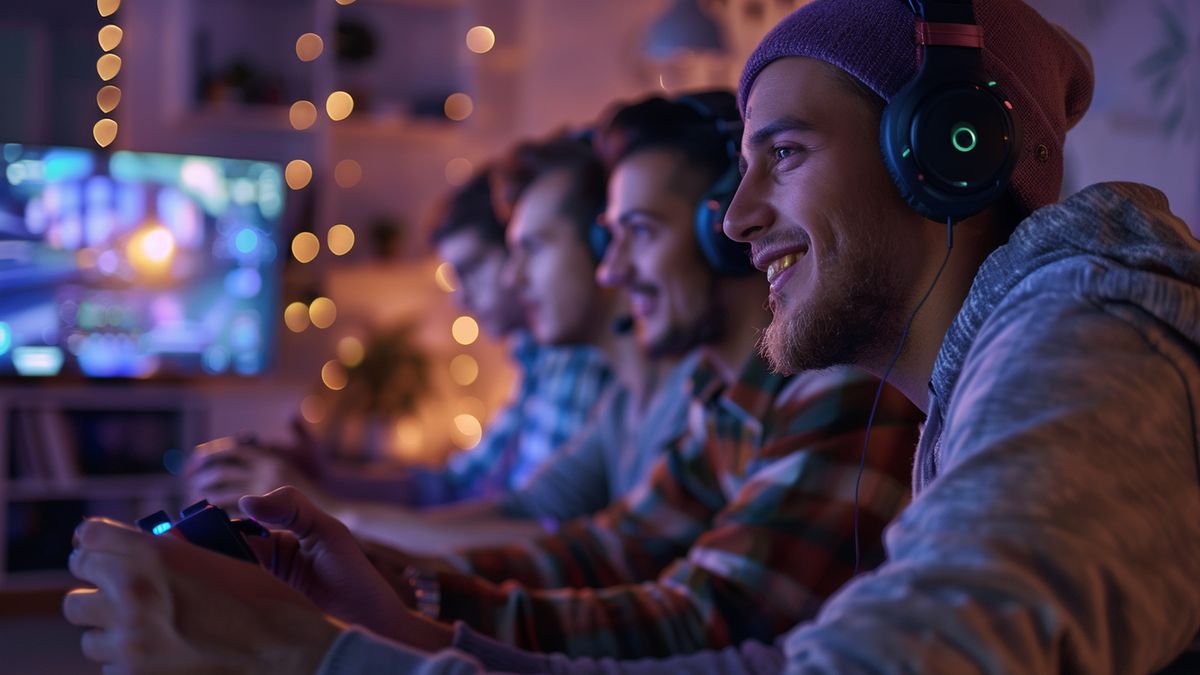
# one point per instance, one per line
(1054, 345)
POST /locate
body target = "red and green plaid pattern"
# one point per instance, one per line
(743, 529)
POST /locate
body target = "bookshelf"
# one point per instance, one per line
(74, 451)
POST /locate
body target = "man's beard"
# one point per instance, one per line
(681, 338)
(851, 322)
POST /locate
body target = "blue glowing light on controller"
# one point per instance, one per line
(160, 528)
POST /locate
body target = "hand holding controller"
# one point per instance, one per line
(209, 527)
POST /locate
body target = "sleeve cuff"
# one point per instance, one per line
(358, 651)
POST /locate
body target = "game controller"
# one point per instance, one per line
(209, 527)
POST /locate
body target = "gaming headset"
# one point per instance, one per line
(724, 255)
(949, 137)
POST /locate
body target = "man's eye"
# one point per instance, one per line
(781, 153)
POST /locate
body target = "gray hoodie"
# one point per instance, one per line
(1055, 525)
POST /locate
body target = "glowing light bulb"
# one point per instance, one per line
(458, 107)
(469, 431)
(309, 46)
(107, 7)
(339, 105)
(302, 115)
(350, 351)
(464, 370)
(465, 330)
(151, 249)
(295, 317)
(305, 247)
(322, 312)
(105, 132)
(298, 173)
(347, 173)
(109, 37)
(340, 239)
(108, 66)
(481, 39)
(334, 376)
(443, 276)
(108, 98)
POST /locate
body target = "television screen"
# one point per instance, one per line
(136, 265)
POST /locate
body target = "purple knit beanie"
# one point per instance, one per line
(1045, 71)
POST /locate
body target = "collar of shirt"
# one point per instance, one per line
(749, 398)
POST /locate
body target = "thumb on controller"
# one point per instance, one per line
(287, 508)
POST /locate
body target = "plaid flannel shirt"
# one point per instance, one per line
(741, 531)
(558, 390)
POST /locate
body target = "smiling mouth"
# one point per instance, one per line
(779, 265)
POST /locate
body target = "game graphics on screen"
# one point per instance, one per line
(136, 265)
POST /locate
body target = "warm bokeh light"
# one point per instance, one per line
(150, 250)
(295, 317)
(443, 276)
(465, 330)
(339, 105)
(340, 239)
(305, 247)
(108, 98)
(309, 46)
(347, 173)
(409, 439)
(107, 7)
(350, 351)
(302, 115)
(298, 174)
(105, 132)
(459, 106)
(108, 66)
(458, 171)
(109, 37)
(322, 312)
(345, 2)
(333, 375)
(313, 409)
(469, 431)
(481, 39)
(464, 370)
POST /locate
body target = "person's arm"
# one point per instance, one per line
(1061, 533)
(755, 567)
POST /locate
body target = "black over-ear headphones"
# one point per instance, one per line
(598, 236)
(949, 137)
(726, 256)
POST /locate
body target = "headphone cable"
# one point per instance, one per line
(862, 457)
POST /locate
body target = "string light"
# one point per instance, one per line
(305, 247)
(443, 276)
(334, 376)
(312, 409)
(309, 46)
(464, 370)
(458, 106)
(339, 105)
(105, 132)
(302, 115)
(350, 351)
(298, 173)
(109, 37)
(347, 173)
(108, 98)
(107, 7)
(107, 66)
(469, 429)
(322, 312)
(481, 39)
(340, 239)
(295, 317)
(465, 330)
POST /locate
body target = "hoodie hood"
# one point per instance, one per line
(1128, 225)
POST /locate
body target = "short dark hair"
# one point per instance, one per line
(469, 209)
(704, 128)
(531, 161)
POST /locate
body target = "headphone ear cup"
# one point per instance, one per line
(949, 143)
(726, 256)
(598, 240)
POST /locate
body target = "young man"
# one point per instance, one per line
(741, 530)
(562, 377)
(1053, 527)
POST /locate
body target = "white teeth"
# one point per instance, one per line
(777, 267)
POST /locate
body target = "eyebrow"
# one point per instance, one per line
(763, 135)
